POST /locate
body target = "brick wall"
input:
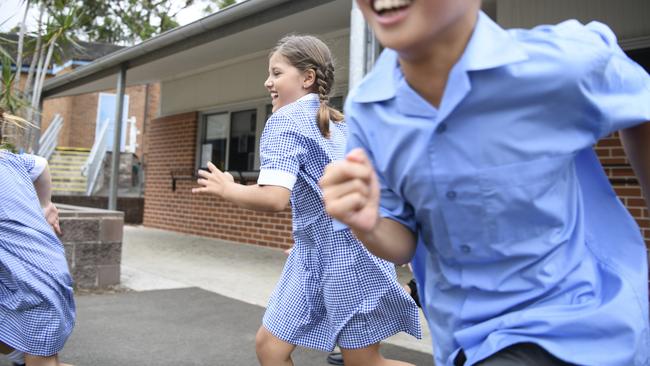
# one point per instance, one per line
(171, 147)
(612, 156)
(152, 110)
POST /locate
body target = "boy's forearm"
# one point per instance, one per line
(258, 198)
(636, 141)
(390, 240)
(43, 187)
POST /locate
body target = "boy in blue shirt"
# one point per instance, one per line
(476, 164)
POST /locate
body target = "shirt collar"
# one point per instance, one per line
(490, 46)
(310, 96)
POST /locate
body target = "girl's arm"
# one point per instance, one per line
(43, 187)
(636, 141)
(389, 240)
(351, 195)
(254, 197)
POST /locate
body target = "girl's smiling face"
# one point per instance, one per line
(285, 82)
(408, 26)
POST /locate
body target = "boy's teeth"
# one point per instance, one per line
(384, 5)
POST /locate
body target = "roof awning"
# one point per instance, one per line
(242, 29)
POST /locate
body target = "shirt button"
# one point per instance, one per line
(441, 128)
(451, 195)
(465, 249)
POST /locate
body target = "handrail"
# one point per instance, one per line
(95, 159)
(48, 141)
(133, 133)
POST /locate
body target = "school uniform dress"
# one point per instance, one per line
(332, 290)
(520, 235)
(37, 309)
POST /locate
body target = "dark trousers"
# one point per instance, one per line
(520, 354)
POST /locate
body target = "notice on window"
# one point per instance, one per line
(206, 155)
(217, 126)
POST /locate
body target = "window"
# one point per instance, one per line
(106, 114)
(228, 140)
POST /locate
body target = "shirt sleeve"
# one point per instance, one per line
(281, 149)
(392, 205)
(617, 87)
(35, 165)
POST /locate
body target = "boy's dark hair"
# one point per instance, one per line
(310, 53)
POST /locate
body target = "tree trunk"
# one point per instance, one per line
(21, 40)
(37, 54)
(46, 66)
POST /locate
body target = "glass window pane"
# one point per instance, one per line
(242, 140)
(216, 126)
(214, 143)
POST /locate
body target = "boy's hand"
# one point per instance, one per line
(213, 181)
(51, 214)
(351, 192)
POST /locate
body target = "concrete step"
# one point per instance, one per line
(59, 158)
(72, 149)
(60, 179)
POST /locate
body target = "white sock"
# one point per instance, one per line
(16, 357)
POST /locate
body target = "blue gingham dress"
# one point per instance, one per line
(332, 290)
(37, 310)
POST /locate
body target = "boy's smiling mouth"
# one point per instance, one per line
(388, 7)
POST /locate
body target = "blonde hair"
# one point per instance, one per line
(13, 131)
(310, 53)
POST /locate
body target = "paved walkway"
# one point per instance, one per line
(155, 259)
(191, 301)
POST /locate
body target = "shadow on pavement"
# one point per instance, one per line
(177, 327)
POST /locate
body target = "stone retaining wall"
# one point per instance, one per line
(93, 244)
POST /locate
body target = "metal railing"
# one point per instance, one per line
(133, 133)
(95, 159)
(47, 142)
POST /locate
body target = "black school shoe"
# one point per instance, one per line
(414, 292)
(335, 358)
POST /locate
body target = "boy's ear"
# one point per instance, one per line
(309, 78)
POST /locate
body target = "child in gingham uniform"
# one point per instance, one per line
(37, 310)
(332, 290)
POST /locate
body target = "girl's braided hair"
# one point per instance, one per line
(310, 53)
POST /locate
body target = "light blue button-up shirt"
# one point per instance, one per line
(520, 236)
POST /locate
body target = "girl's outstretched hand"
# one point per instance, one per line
(51, 214)
(351, 192)
(213, 181)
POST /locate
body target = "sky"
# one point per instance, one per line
(11, 12)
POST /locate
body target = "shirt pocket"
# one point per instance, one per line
(529, 201)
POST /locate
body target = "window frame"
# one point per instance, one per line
(261, 106)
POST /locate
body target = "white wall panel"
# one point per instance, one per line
(237, 81)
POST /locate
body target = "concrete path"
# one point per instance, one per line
(154, 259)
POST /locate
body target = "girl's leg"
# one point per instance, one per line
(271, 350)
(31, 360)
(368, 356)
